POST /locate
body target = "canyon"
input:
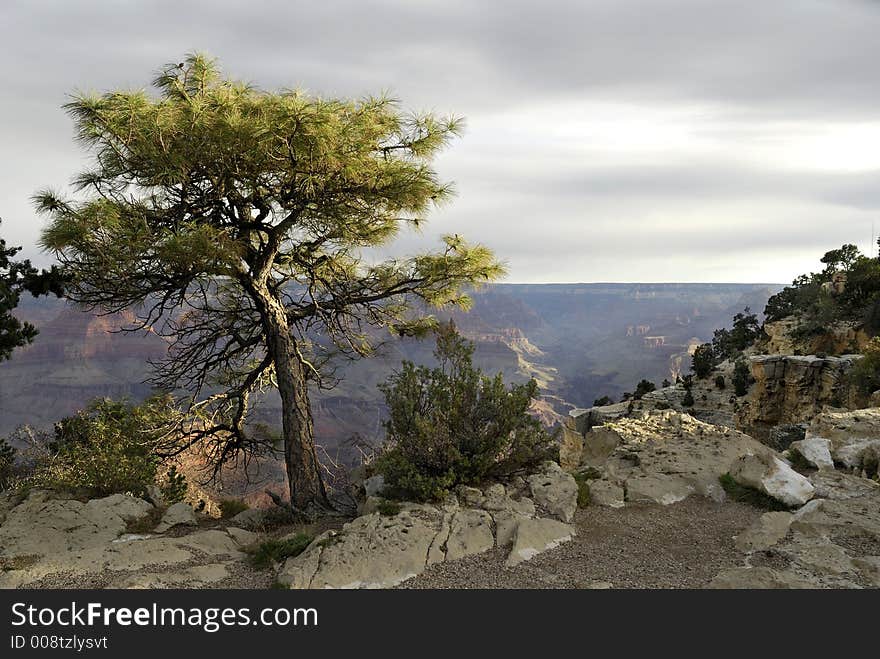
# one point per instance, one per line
(578, 341)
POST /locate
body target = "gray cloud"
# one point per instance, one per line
(720, 101)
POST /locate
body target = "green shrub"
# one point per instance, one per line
(174, 487)
(232, 507)
(452, 425)
(108, 448)
(741, 377)
(864, 376)
(703, 361)
(601, 402)
(688, 399)
(642, 388)
(719, 382)
(275, 550)
(388, 508)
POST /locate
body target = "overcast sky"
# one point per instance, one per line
(651, 140)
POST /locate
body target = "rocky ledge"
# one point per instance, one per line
(528, 516)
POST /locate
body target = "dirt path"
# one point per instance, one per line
(641, 546)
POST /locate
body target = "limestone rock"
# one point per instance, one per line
(534, 536)
(790, 389)
(768, 474)
(241, 536)
(41, 526)
(858, 454)
(470, 533)
(198, 576)
(839, 485)
(666, 454)
(764, 533)
(664, 489)
(250, 519)
(555, 491)
(606, 493)
(178, 514)
(759, 578)
(816, 451)
(370, 552)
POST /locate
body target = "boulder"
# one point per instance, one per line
(556, 491)
(470, 532)
(252, 518)
(768, 474)
(178, 514)
(815, 450)
(372, 551)
(839, 485)
(764, 533)
(858, 454)
(534, 536)
(664, 489)
(41, 526)
(606, 493)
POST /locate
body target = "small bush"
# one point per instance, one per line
(452, 425)
(703, 360)
(748, 495)
(388, 508)
(231, 507)
(601, 402)
(275, 550)
(688, 399)
(642, 388)
(741, 377)
(864, 376)
(719, 382)
(108, 448)
(174, 487)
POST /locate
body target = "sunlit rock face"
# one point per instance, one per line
(791, 389)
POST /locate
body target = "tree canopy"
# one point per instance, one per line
(242, 224)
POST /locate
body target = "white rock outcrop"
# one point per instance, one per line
(376, 551)
(815, 450)
(769, 474)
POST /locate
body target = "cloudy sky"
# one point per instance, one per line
(647, 140)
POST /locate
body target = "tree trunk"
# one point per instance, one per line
(303, 470)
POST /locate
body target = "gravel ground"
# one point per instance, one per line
(640, 546)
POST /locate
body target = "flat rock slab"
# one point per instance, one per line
(766, 532)
(534, 536)
(178, 514)
(41, 526)
(556, 491)
(664, 489)
(759, 578)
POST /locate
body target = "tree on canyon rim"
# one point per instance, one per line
(242, 224)
(17, 277)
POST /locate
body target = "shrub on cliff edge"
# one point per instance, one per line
(452, 425)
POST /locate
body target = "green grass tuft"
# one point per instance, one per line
(275, 550)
